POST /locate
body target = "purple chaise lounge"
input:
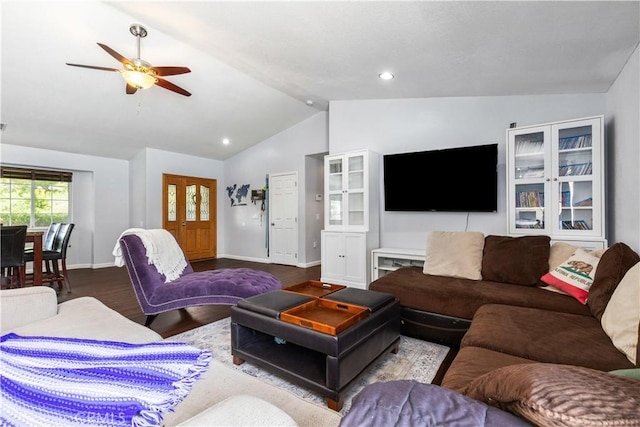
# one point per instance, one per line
(224, 286)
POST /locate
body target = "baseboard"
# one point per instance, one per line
(93, 266)
(244, 258)
(240, 258)
(266, 260)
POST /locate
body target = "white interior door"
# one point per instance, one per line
(283, 216)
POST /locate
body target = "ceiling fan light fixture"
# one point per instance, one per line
(138, 79)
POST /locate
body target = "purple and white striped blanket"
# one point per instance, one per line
(49, 381)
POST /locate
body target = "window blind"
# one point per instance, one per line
(35, 174)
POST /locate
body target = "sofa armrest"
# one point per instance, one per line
(19, 307)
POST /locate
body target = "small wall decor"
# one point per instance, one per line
(238, 194)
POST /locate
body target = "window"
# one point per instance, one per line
(34, 197)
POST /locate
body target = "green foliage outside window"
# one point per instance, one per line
(33, 203)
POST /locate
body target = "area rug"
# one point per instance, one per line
(417, 360)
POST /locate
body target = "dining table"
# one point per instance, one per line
(35, 237)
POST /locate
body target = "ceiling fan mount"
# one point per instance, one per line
(140, 74)
(138, 30)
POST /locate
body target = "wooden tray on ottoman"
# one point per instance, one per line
(314, 288)
(330, 317)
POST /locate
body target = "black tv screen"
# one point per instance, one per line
(450, 180)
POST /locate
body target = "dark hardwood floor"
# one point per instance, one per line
(111, 285)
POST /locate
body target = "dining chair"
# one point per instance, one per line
(54, 255)
(47, 240)
(12, 241)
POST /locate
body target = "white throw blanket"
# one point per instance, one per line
(162, 248)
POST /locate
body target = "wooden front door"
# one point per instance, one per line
(189, 213)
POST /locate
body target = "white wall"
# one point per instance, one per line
(284, 152)
(623, 155)
(404, 125)
(100, 199)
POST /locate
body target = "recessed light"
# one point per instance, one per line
(309, 102)
(386, 75)
(226, 141)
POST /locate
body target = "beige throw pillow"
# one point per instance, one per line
(559, 252)
(621, 317)
(454, 254)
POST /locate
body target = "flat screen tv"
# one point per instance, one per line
(461, 179)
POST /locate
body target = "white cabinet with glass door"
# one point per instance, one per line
(555, 180)
(347, 185)
(351, 183)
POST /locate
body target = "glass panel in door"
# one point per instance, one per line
(576, 205)
(356, 173)
(356, 207)
(335, 209)
(529, 176)
(190, 201)
(575, 178)
(171, 202)
(530, 206)
(335, 175)
(204, 203)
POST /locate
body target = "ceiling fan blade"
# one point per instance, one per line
(131, 89)
(93, 67)
(170, 71)
(168, 85)
(115, 54)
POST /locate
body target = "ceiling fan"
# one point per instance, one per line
(140, 74)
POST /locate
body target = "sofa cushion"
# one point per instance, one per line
(621, 317)
(461, 298)
(472, 362)
(517, 260)
(560, 395)
(454, 254)
(544, 336)
(613, 265)
(575, 275)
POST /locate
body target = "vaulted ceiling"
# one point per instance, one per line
(256, 66)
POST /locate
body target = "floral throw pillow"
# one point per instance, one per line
(575, 275)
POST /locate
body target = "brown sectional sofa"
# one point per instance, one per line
(501, 324)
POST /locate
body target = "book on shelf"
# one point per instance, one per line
(573, 142)
(528, 147)
(533, 173)
(576, 169)
(585, 202)
(529, 199)
(575, 225)
(529, 223)
(566, 201)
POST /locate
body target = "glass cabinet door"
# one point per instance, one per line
(336, 202)
(530, 198)
(574, 175)
(355, 190)
(346, 180)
